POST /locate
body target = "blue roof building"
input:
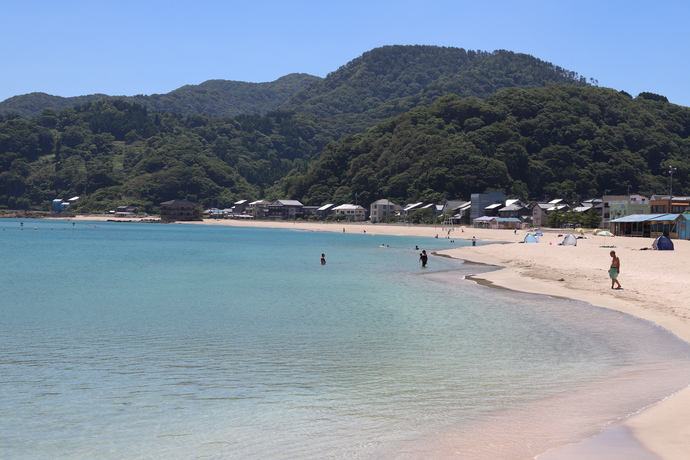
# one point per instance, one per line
(652, 225)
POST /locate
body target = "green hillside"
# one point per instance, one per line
(558, 141)
(381, 79)
(391, 80)
(405, 123)
(213, 98)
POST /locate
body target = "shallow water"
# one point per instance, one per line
(125, 340)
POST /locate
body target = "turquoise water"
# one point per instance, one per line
(128, 340)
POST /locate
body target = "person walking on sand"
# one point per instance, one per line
(423, 258)
(615, 270)
(323, 259)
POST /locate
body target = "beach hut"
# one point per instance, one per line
(653, 225)
(663, 243)
(569, 240)
(529, 238)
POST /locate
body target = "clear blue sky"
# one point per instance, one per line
(125, 47)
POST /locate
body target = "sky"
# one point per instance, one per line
(124, 47)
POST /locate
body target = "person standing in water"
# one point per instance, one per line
(615, 270)
(423, 258)
(474, 241)
(323, 259)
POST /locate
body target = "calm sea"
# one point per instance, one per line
(129, 340)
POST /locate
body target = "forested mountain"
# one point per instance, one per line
(424, 73)
(421, 123)
(391, 80)
(113, 152)
(559, 141)
(31, 105)
(213, 98)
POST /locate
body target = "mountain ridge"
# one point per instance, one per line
(216, 98)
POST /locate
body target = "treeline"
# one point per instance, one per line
(213, 98)
(421, 74)
(559, 141)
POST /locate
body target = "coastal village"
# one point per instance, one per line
(622, 215)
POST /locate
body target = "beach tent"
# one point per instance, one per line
(663, 243)
(569, 240)
(529, 238)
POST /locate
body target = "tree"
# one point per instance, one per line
(555, 219)
(422, 216)
(590, 219)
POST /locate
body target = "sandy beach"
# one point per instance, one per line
(652, 281)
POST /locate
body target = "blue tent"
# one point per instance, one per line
(529, 238)
(663, 243)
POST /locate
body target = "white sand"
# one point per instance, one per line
(653, 288)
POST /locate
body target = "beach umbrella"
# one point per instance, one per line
(605, 233)
(581, 230)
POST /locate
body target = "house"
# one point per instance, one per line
(214, 213)
(240, 207)
(126, 211)
(325, 210)
(652, 225)
(352, 211)
(615, 206)
(179, 210)
(309, 211)
(514, 208)
(497, 222)
(461, 212)
(588, 205)
(557, 201)
(379, 210)
(60, 206)
(539, 214)
(285, 209)
(559, 204)
(453, 205)
(435, 209)
(258, 209)
(492, 209)
(410, 208)
(660, 204)
(481, 200)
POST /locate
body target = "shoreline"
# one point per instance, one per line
(652, 282)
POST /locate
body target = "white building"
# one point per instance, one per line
(353, 212)
(380, 210)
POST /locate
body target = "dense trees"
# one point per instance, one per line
(215, 98)
(555, 141)
(403, 123)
